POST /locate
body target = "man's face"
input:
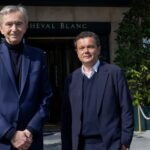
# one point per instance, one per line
(87, 51)
(13, 27)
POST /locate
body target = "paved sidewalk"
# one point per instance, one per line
(141, 141)
(52, 141)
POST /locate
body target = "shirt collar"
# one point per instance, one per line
(94, 69)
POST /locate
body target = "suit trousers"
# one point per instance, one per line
(91, 144)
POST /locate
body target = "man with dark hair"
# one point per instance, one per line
(97, 110)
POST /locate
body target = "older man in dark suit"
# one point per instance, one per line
(97, 111)
(24, 86)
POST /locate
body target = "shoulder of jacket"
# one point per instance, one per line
(110, 67)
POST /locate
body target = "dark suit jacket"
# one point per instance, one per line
(29, 107)
(114, 109)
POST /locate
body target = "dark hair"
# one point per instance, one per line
(85, 34)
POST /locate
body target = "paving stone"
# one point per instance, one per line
(141, 141)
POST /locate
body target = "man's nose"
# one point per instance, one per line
(14, 27)
(86, 49)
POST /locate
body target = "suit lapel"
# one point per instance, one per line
(24, 68)
(101, 84)
(77, 92)
(7, 63)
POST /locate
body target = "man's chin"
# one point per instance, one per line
(14, 42)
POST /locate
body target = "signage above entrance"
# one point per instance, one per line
(66, 28)
(68, 2)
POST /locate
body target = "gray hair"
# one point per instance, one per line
(14, 8)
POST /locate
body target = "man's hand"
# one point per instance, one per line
(123, 147)
(22, 140)
(28, 134)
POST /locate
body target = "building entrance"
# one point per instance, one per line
(61, 60)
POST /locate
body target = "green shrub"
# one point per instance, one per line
(133, 53)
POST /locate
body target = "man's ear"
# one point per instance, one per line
(99, 48)
(26, 28)
(1, 31)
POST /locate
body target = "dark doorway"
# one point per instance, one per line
(61, 60)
